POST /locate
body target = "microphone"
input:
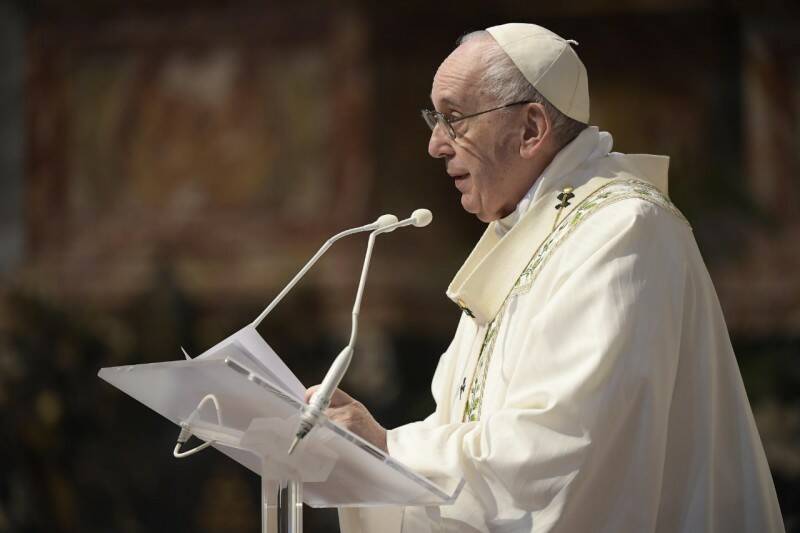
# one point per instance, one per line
(383, 221)
(322, 397)
(419, 218)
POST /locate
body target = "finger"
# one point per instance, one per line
(339, 397)
(354, 417)
(310, 392)
(340, 415)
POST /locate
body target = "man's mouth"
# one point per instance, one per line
(460, 181)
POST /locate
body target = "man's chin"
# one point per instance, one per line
(475, 210)
(467, 205)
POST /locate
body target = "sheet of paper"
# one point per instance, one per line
(263, 358)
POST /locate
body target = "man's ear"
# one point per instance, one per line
(535, 131)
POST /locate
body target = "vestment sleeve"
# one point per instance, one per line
(589, 391)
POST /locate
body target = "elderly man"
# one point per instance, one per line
(591, 384)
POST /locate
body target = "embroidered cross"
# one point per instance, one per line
(461, 389)
(564, 197)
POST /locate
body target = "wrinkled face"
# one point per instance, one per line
(483, 160)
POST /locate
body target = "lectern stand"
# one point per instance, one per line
(255, 425)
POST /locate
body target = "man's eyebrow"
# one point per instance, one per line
(447, 101)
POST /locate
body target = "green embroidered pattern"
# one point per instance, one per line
(610, 193)
(472, 409)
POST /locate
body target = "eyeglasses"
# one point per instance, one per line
(432, 118)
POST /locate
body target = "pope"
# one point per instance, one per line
(591, 384)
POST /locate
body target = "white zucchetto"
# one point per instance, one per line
(549, 63)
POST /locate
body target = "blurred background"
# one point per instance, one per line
(166, 167)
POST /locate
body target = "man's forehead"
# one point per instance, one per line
(455, 78)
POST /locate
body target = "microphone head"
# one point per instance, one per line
(422, 217)
(385, 220)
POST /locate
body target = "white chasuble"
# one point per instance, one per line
(591, 385)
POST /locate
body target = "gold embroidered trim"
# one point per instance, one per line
(608, 194)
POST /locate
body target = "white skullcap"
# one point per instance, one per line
(549, 63)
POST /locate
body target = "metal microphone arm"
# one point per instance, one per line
(322, 397)
(419, 218)
(383, 221)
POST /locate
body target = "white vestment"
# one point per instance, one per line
(591, 385)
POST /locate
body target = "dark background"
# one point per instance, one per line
(165, 167)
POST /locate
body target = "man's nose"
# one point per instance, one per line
(440, 144)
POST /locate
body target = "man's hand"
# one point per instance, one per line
(352, 414)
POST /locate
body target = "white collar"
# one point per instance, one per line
(591, 143)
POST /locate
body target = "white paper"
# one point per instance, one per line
(248, 343)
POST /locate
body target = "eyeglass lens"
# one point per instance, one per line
(432, 118)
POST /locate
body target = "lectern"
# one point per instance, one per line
(252, 419)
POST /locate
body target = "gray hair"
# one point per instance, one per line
(503, 81)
